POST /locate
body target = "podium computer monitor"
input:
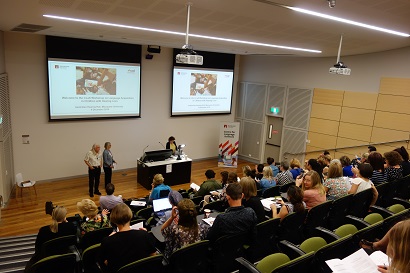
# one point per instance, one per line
(158, 155)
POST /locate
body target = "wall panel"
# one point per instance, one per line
(321, 140)
(399, 122)
(360, 100)
(394, 104)
(324, 111)
(354, 131)
(327, 127)
(383, 135)
(357, 116)
(326, 96)
(395, 86)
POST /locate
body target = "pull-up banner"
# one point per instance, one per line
(228, 144)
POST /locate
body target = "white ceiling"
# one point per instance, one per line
(235, 19)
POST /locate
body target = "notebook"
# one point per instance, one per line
(161, 204)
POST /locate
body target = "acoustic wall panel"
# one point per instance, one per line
(251, 137)
(5, 105)
(346, 142)
(323, 111)
(360, 100)
(383, 135)
(399, 122)
(240, 101)
(321, 140)
(255, 101)
(322, 126)
(395, 86)
(298, 108)
(357, 116)
(394, 104)
(354, 131)
(276, 98)
(293, 144)
(327, 96)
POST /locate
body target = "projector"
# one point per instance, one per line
(189, 59)
(340, 69)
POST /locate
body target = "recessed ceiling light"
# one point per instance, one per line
(179, 33)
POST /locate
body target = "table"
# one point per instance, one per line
(156, 231)
(174, 171)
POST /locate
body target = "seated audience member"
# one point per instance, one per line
(362, 181)
(209, 185)
(93, 220)
(364, 158)
(313, 165)
(258, 173)
(247, 172)
(232, 178)
(285, 176)
(295, 204)
(395, 244)
(376, 160)
(406, 163)
(174, 198)
(347, 168)
(325, 172)
(224, 178)
(371, 148)
(182, 229)
(324, 160)
(313, 191)
(267, 180)
(126, 245)
(237, 219)
(393, 168)
(59, 227)
(250, 200)
(157, 186)
(110, 201)
(295, 168)
(271, 163)
(335, 185)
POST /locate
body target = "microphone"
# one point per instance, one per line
(161, 144)
(143, 151)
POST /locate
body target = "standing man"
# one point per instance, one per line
(93, 160)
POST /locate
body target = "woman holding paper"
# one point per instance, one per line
(185, 230)
(108, 162)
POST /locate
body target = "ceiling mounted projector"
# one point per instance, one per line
(188, 55)
(340, 68)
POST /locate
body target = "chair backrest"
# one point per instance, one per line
(95, 237)
(225, 250)
(152, 264)
(317, 216)
(373, 218)
(339, 209)
(163, 193)
(271, 192)
(390, 221)
(370, 233)
(218, 205)
(403, 188)
(284, 188)
(197, 199)
(58, 246)
(345, 230)
(145, 213)
(190, 259)
(246, 266)
(396, 208)
(65, 263)
(361, 203)
(312, 244)
(90, 259)
(291, 227)
(271, 262)
(383, 191)
(266, 240)
(299, 265)
(338, 249)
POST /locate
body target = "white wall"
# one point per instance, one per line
(313, 72)
(2, 62)
(57, 149)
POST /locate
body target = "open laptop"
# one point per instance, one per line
(161, 204)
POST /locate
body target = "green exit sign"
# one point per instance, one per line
(274, 110)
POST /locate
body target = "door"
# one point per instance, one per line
(273, 138)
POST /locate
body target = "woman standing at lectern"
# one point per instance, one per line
(171, 144)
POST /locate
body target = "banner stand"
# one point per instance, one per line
(228, 144)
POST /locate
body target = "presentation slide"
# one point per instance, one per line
(89, 89)
(201, 91)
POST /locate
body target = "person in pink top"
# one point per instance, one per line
(313, 190)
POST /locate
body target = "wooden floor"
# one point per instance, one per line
(26, 214)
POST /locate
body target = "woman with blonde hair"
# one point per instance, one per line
(267, 180)
(250, 199)
(313, 191)
(183, 231)
(94, 220)
(158, 186)
(335, 184)
(295, 168)
(59, 227)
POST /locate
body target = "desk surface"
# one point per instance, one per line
(156, 231)
(170, 160)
